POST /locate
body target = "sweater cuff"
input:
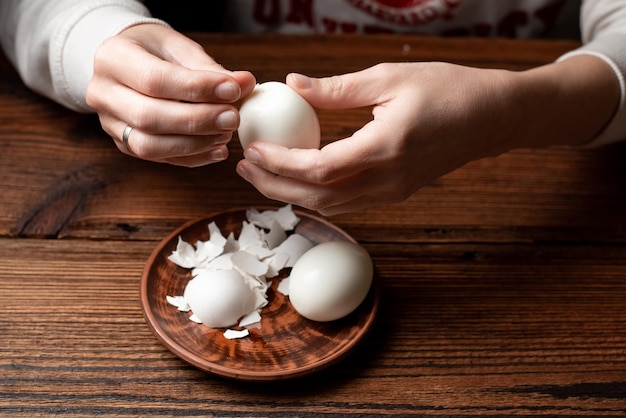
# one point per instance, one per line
(75, 46)
(609, 48)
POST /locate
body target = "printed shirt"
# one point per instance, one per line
(491, 18)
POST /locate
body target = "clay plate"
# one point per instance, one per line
(286, 345)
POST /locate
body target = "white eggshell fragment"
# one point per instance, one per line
(294, 246)
(184, 255)
(219, 298)
(330, 280)
(179, 302)
(231, 334)
(274, 112)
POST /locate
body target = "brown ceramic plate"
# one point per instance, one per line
(286, 345)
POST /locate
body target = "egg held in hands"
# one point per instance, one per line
(219, 298)
(274, 112)
(330, 280)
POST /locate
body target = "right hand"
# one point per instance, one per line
(429, 118)
(177, 99)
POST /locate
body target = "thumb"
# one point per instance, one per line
(345, 91)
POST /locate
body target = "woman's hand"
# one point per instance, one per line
(429, 119)
(176, 98)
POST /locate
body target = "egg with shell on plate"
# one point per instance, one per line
(330, 280)
(274, 112)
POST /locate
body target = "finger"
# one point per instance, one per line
(280, 188)
(355, 194)
(159, 116)
(368, 188)
(169, 147)
(209, 157)
(307, 195)
(183, 51)
(140, 70)
(365, 149)
(198, 59)
(166, 148)
(363, 88)
(246, 81)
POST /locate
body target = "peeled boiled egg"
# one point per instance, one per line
(330, 280)
(219, 298)
(274, 112)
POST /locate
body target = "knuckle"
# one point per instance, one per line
(201, 118)
(101, 57)
(141, 118)
(336, 85)
(317, 169)
(319, 175)
(152, 80)
(193, 124)
(93, 95)
(196, 89)
(143, 147)
(384, 67)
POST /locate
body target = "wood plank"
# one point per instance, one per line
(465, 329)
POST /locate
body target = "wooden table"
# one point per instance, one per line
(503, 283)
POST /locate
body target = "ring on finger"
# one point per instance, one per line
(125, 135)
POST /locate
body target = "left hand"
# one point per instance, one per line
(178, 100)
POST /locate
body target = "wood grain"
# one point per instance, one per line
(503, 284)
(465, 330)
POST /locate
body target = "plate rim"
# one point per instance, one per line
(181, 352)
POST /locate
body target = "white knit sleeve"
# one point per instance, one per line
(52, 44)
(603, 28)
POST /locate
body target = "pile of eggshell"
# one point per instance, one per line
(231, 276)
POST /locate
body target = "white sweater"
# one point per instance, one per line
(52, 43)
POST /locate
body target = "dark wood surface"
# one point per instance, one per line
(503, 283)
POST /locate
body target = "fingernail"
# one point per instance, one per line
(252, 155)
(218, 155)
(300, 81)
(243, 173)
(227, 91)
(226, 121)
